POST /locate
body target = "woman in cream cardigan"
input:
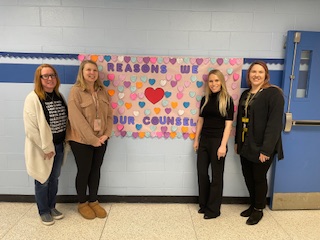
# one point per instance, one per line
(45, 119)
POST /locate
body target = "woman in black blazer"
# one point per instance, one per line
(258, 135)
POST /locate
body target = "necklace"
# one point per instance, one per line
(51, 97)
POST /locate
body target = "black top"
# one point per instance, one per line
(55, 110)
(265, 113)
(213, 122)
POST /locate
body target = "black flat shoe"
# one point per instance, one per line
(201, 211)
(210, 217)
(255, 217)
(247, 212)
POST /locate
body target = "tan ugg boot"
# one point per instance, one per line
(98, 210)
(86, 211)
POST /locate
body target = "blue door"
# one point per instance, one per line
(296, 178)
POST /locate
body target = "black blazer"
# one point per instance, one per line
(265, 125)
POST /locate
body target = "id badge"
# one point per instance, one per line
(97, 124)
(245, 120)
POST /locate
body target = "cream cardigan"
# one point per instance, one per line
(39, 139)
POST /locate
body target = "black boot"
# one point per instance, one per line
(255, 217)
(247, 212)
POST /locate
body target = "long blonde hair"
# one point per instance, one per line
(224, 97)
(80, 79)
(38, 88)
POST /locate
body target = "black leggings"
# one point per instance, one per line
(89, 160)
(255, 176)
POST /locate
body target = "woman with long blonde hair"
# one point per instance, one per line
(212, 133)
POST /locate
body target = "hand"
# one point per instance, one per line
(222, 151)
(195, 146)
(103, 138)
(48, 156)
(263, 158)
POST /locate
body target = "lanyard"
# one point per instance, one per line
(245, 119)
(96, 102)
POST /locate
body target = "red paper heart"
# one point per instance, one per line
(154, 95)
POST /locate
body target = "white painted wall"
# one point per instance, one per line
(229, 28)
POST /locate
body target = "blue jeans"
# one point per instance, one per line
(46, 193)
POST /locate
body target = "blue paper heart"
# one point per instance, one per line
(107, 58)
(152, 81)
(167, 94)
(142, 104)
(106, 83)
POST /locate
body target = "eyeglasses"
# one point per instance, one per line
(47, 76)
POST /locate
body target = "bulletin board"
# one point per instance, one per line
(159, 96)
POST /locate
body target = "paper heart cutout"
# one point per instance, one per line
(133, 96)
(106, 83)
(154, 95)
(157, 110)
(180, 112)
(163, 82)
(179, 95)
(142, 104)
(81, 57)
(174, 104)
(153, 60)
(110, 76)
(94, 58)
(178, 77)
(167, 110)
(127, 59)
(165, 102)
(220, 61)
(120, 127)
(186, 104)
(107, 58)
(167, 94)
(236, 76)
(111, 92)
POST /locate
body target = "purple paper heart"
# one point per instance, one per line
(135, 134)
(164, 129)
(199, 61)
(173, 60)
(123, 133)
(127, 59)
(166, 135)
(146, 60)
(167, 110)
(126, 84)
(219, 61)
(173, 83)
(185, 135)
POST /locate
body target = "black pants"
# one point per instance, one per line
(210, 193)
(255, 176)
(89, 160)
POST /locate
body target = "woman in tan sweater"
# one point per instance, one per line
(90, 117)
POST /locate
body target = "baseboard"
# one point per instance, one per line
(296, 201)
(125, 199)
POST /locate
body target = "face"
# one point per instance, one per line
(90, 73)
(48, 79)
(214, 83)
(257, 76)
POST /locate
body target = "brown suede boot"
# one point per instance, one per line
(86, 211)
(98, 210)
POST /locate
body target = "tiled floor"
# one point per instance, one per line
(20, 221)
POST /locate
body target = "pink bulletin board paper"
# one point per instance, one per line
(159, 97)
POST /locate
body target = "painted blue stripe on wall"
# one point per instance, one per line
(24, 73)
